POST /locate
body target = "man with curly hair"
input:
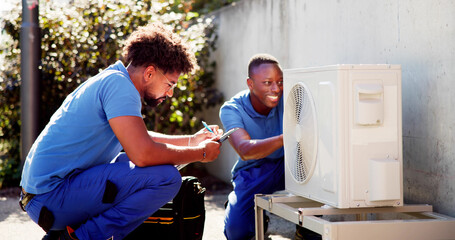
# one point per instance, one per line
(76, 182)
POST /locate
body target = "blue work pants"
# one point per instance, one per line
(78, 201)
(239, 217)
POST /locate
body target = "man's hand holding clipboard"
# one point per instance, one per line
(226, 135)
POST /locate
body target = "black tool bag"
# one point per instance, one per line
(181, 219)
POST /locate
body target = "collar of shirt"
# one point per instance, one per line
(120, 67)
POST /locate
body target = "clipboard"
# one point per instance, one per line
(226, 135)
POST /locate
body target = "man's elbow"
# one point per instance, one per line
(247, 155)
(140, 164)
(140, 161)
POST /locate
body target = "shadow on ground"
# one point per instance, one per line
(16, 225)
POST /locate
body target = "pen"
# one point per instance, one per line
(205, 125)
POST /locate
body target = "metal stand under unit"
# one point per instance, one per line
(405, 222)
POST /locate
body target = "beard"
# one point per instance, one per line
(153, 102)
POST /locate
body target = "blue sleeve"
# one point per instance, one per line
(231, 117)
(119, 97)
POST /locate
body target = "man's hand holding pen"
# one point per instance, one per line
(212, 132)
(206, 138)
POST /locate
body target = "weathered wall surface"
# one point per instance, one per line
(419, 35)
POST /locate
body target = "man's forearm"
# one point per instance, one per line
(178, 140)
(257, 149)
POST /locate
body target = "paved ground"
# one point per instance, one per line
(16, 225)
(279, 229)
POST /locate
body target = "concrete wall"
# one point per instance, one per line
(419, 35)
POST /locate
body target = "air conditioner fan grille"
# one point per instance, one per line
(302, 125)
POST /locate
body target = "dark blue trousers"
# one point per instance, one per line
(239, 217)
(78, 201)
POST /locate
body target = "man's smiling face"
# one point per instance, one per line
(266, 87)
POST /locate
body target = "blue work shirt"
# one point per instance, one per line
(239, 112)
(78, 135)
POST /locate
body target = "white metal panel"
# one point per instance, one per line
(350, 133)
(407, 222)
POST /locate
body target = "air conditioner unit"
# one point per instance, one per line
(342, 135)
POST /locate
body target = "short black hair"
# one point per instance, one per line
(259, 59)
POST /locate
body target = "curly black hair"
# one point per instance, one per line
(155, 44)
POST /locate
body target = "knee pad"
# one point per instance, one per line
(46, 219)
(110, 192)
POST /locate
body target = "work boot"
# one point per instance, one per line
(266, 223)
(302, 233)
(67, 234)
(52, 235)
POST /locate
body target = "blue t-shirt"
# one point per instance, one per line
(238, 112)
(78, 135)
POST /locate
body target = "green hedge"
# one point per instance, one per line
(78, 41)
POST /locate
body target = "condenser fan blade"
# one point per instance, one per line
(300, 169)
(298, 102)
(300, 133)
